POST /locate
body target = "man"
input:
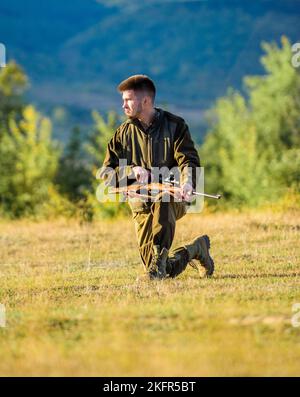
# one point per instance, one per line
(151, 138)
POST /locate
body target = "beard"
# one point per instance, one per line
(137, 112)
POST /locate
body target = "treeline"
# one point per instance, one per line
(251, 152)
(39, 177)
(252, 149)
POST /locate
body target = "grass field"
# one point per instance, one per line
(74, 305)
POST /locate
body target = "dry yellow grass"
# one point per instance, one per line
(74, 306)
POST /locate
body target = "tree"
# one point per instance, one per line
(96, 149)
(28, 162)
(73, 176)
(13, 84)
(103, 131)
(252, 149)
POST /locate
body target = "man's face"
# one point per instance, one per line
(132, 103)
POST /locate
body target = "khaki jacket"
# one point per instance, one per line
(167, 143)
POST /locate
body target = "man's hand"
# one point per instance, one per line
(187, 192)
(141, 174)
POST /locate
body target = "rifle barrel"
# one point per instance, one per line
(217, 196)
(173, 183)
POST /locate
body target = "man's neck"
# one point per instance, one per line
(147, 118)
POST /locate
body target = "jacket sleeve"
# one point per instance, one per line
(113, 171)
(186, 155)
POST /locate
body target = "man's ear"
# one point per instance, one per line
(148, 100)
(145, 100)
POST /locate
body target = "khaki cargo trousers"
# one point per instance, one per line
(156, 226)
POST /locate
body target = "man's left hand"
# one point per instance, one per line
(187, 192)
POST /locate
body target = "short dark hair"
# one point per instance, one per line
(138, 82)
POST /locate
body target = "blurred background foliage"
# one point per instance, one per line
(251, 151)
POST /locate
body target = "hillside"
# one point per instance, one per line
(75, 52)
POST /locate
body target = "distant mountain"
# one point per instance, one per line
(77, 51)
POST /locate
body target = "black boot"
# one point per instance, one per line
(158, 266)
(199, 249)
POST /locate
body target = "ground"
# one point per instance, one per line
(74, 306)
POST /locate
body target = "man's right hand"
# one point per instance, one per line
(141, 174)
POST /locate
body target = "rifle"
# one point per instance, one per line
(155, 191)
